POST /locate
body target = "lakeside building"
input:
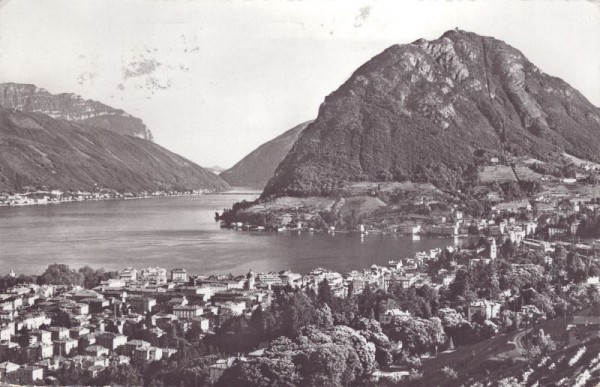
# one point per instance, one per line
(128, 274)
(179, 275)
(154, 275)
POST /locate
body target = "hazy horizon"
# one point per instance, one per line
(213, 80)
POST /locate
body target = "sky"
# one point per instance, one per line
(215, 79)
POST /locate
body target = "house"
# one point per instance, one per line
(6, 346)
(111, 340)
(574, 227)
(187, 311)
(5, 333)
(557, 231)
(235, 308)
(128, 275)
(94, 370)
(25, 375)
(531, 311)
(390, 315)
(148, 354)
(154, 275)
(269, 279)
(493, 253)
(168, 352)
(202, 323)
(541, 246)
(178, 301)
(141, 304)
(44, 337)
(583, 328)
(489, 309)
(179, 275)
(76, 332)
(85, 293)
(133, 345)
(65, 347)
(58, 333)
(42, 350)
(96, 351)
(33, 321)
(7, 367)
(87, 340)
(217, 370)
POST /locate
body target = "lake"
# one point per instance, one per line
(178, 232)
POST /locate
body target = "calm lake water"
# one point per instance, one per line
(178, 232)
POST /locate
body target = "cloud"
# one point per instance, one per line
(141, 67)
(363, 15)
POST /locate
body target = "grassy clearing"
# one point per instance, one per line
(364, 187)
(361, 204)
(526, 173)
(310, 204)
(497, 173)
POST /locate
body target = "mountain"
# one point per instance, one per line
(434, 110)
(71, 107)
(38, 150)
(258, 166)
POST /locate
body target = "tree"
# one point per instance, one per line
(60, 274)
(90, 277)
(72, 375)
(62, 318)
(323, 317)
(366, 302)
(324, 293)
(122, 374)
(508, 249)
(540, 345)
(24, 337)
(417, 335)
(449, 373)
(260, 372)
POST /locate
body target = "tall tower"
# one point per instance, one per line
(493, 248)
(250, 280)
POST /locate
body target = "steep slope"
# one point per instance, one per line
(258, 167)
(37, 150)
(71, 107)
(426, 111)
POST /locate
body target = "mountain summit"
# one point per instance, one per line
(427, 111)
(71, 107)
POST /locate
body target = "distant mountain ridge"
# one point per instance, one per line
(426, 111)
(256, 168)
(71, 107)
(38, 150)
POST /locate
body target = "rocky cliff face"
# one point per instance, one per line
(37, 150)
(71, 107)
(258, 167)
(424, 111)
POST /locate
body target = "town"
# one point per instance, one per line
(520, 267)
(44, 195)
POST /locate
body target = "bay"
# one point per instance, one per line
(179, 232)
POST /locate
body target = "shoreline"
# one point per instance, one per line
(57, 202)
